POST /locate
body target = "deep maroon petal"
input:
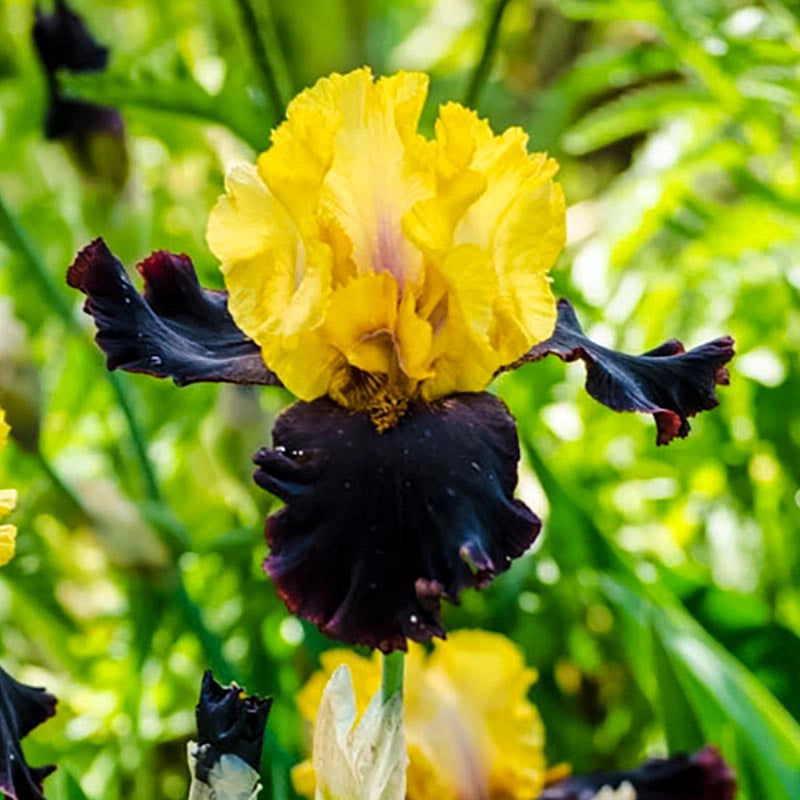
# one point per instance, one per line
(702, 776)
(229, 722)
(63, 41)
(22, 708)
(378, 527)
(668, 382)
(175, 329)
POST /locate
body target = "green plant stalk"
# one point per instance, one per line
(392, 675)
(262, 57)
(19, 239)
(484, 64)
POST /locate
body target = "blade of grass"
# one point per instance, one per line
(262, 56)
(484, 64)
(175, 535)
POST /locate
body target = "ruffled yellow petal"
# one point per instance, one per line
(373, 178)
(362, 320)
(8, 502)
(4, 429)
(506, 728)
(8, 536)
(278, 285)
(418, 267)
(470, 730)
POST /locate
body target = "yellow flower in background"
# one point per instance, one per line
(8, 501)
(375, 265)
(471, 732)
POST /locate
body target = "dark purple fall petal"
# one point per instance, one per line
(702, 776)
(668, 382)
(379, 527)
(175, 329)
(22, 708)
(228, 722)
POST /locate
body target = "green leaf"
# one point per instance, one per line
(711, 691)
(64, 786)
(602, 10)
(638, 111)
(173, 90)
(681, 726)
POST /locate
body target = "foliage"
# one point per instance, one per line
(662, 607)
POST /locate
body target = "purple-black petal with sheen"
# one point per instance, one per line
(702, 776)
(669, 382)
(378, 527)
(22, 708)
(174, 329)
(228, 722)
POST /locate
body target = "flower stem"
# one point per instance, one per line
(265, 59)
(484, 65)
(392, 675)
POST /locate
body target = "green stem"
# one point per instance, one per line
(138, 438)
(175, 535)
(18, 237)
(484, 65)
(392, 675)
(262, 57)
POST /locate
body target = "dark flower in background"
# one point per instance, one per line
(385, 299)
(22, 708)
(93, 133)
(701, 776)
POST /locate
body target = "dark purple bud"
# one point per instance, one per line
(228, 722)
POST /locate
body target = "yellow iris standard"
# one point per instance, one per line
(8, 501)
(470, 730)
(377, 266)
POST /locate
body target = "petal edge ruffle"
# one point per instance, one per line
(379, 527)
(668, 382)
(175, 329)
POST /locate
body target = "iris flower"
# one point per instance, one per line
(384, 278)
(467, 739)
(8, 501)
(358, 756)
(472, 733)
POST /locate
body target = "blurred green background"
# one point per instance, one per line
(662, 607)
